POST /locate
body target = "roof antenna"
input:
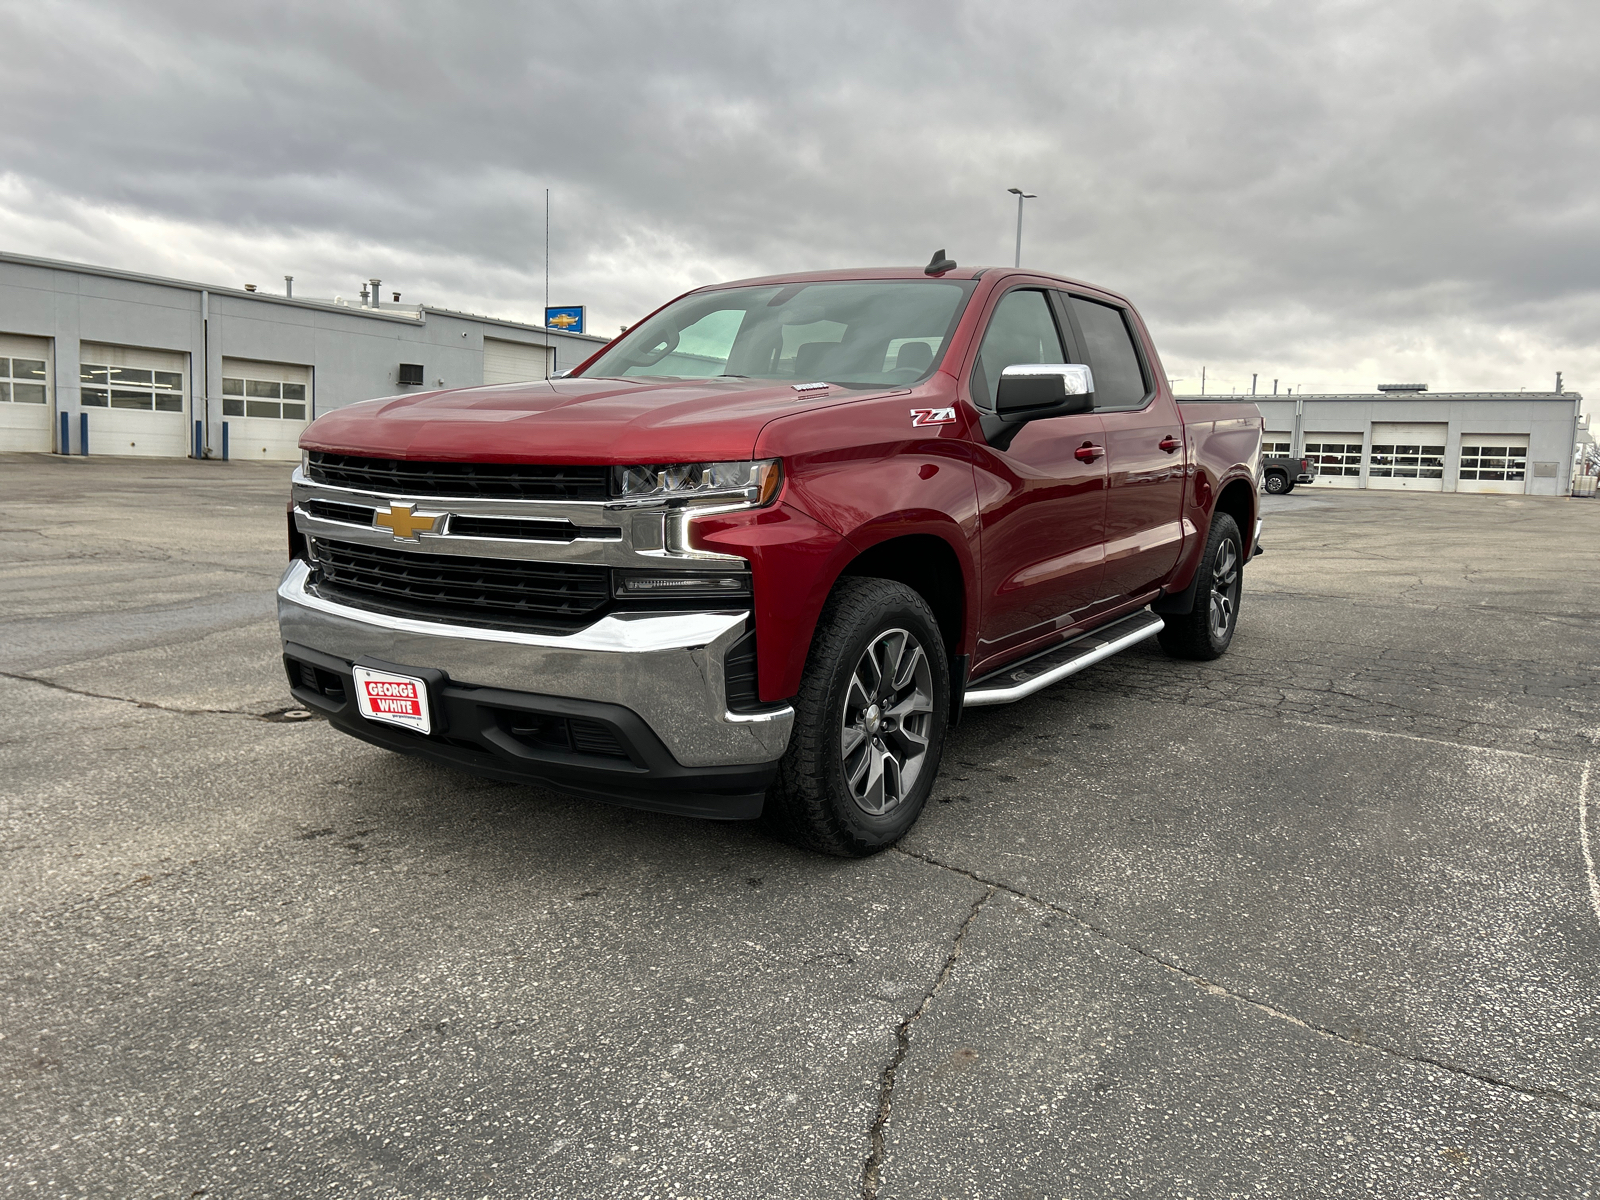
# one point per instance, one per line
(939, 264)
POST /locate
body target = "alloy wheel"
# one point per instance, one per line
(885, 721)
(1225, 582)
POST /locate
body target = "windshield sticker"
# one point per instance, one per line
(932, 416)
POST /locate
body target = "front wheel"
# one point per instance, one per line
(869, 722)
(1206, 632)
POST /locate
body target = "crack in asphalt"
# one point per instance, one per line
(872, 1168)
(1554, 1095)
(276, 717)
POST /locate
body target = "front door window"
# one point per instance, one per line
(1022, 330)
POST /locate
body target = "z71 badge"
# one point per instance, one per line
(932, 416)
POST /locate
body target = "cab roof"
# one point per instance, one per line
(908, 273)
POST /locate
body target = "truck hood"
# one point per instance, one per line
(569, 421)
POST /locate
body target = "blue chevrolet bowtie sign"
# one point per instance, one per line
(568, 319)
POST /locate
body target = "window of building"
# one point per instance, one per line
(139, 388)
(1399, 461)
(1335, 458)
(1502, 462)
(1277, 443)
(22, 380)
(245, 397)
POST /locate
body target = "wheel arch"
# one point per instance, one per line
(928, 565)
(1238, 500)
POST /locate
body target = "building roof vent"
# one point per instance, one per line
(1402, 387)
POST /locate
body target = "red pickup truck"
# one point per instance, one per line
(757, 554)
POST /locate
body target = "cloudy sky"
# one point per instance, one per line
(1333, 194)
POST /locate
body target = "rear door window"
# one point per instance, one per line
(1119, 379)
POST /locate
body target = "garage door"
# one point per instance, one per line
(513, 362)
(1493, 462)
(1407, 457)
(1338, 458)
(265, 405)
(25, 406)
(136, 399)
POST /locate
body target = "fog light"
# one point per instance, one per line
(677, 583)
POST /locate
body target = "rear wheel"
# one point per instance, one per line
(1207, 631)
(869, 722)
(1277, 482)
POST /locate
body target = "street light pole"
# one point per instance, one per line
(1021, 196)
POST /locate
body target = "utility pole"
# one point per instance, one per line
(545, 318)
(1021, 196)
(1202, 381)
(1252, 383)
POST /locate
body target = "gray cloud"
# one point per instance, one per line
(1324, 192)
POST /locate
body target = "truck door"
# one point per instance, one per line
(1144, 452)
(1041, 504)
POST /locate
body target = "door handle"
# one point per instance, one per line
(1088, 452)
(1169, 443)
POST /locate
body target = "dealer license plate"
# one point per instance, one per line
(396, 699)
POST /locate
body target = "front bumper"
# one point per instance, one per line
(655, 680)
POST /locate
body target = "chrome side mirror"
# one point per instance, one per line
(1029, 391)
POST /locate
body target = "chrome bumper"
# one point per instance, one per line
(666, 667)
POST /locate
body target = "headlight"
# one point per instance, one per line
(752, 482)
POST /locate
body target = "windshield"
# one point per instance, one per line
(864, 334)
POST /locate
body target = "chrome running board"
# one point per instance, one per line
(1055, 664)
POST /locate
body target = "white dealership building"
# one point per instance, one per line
(1406, 438)
(101, 361)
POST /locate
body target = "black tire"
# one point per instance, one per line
(1207, 631)
(1278, 483)
(824, 798)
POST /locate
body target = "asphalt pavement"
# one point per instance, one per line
(1317, 919)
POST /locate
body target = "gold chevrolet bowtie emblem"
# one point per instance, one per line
(403, 523)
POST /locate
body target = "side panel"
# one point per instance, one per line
(1222, 444)
(1144, 507)
(856, 478)
(1043, 514)
(794, 560)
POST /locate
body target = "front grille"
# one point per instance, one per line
(531, 530)
(499, 481)
(454, 587)
(331, 510)
(462, 525)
